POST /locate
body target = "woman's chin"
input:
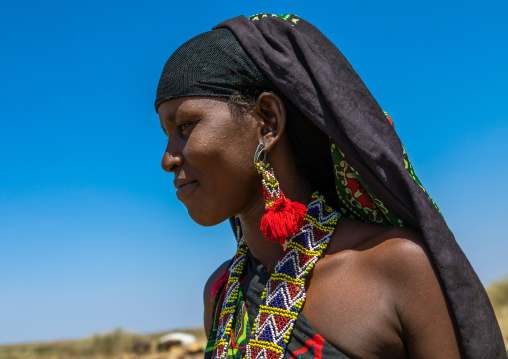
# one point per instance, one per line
(206, 218)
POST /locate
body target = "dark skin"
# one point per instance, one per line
(373, 294)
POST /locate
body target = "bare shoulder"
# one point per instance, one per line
(393, 260)
(386, 251)
(417, 295)
(397, 258)
(387, 276)
(398, 253)
(207, 295)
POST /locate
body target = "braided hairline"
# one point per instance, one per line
(240, 104)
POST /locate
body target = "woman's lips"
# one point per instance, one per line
(184, 189)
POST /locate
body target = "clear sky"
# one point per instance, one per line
(92, 236)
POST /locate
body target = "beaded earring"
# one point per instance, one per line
(282, 217)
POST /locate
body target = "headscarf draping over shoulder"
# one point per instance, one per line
(309, 70)
(374, 180)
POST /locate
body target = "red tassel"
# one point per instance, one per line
(282, 219)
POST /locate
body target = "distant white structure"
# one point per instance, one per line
(168, 340)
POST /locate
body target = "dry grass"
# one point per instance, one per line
(117, 344)
(498, 294)
(120, 344)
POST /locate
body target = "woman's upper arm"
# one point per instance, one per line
(207, 295)
(421, 305)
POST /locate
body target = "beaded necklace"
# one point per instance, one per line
(284, 293)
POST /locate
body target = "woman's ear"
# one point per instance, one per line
(271, 111)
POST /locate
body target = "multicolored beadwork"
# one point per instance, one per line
(271, 188)
(284, 294)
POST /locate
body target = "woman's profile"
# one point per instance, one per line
(341, 252)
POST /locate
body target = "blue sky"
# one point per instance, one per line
(91, 234)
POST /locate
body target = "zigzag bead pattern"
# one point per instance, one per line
(284, 293)
(271, 188)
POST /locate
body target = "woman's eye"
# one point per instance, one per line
(185, 126)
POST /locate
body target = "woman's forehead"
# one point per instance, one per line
(181, 106)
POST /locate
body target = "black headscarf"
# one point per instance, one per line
(312, 73)
(210, 64)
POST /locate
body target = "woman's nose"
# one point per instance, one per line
(171, 161)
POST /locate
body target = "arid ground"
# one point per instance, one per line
(120, 344)
(117, 344)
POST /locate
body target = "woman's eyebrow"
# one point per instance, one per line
(169, 120)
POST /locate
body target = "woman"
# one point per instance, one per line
(341, 253)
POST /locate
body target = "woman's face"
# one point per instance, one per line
(211, 153)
